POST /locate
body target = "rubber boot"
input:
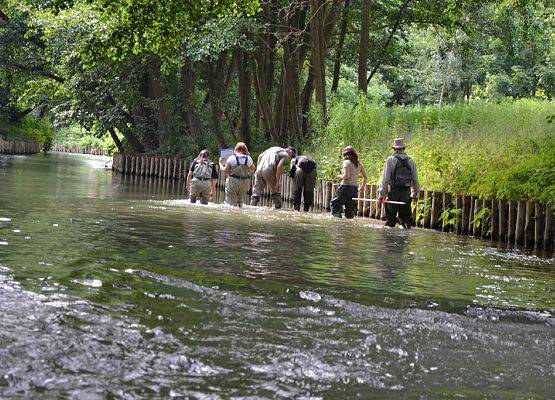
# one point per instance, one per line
(276, 198)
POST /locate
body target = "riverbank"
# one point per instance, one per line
(19, 147)
(502, 150)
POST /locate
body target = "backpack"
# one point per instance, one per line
(402, 174)
(307, 164)
(203, 170)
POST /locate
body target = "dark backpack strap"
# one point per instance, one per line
(236, 159)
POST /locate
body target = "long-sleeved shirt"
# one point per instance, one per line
(390, 165)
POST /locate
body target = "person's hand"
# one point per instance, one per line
(212, 195)
(380, 200)
(278, 187)
(188, 187)
(340, 176)
(361, 189)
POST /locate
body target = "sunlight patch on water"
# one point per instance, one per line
(88, 282)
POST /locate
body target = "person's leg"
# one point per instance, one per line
(231, 191)
(205, 192)
(337, 202)
(350, 205)
(391, 210)
(270, 178)
(194, 193)
(298, 180)
(243, 188)
(257, 188)
(405, 215)
(308, 189)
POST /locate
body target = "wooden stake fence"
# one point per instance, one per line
(79, 150)
(529, 224)
(13, 147)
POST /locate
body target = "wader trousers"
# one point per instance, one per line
(236, 190)
(200, 189)
(262, 178)
(398, 213)
(303, 187)
(344, 197)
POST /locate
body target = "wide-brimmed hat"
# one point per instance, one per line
(399, 143)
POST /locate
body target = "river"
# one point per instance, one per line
(117, 288)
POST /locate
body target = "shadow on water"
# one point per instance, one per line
(116, 287)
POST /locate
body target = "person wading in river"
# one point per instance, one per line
(270, 166)
(239, 168)
(201, 179)
(399, 183)
(349, 184)
(303, 173)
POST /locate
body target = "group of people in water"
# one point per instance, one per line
(399, 185)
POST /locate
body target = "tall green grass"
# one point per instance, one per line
(500, 150)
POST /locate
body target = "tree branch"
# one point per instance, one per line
(395, 27)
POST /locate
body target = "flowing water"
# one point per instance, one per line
(114, 288)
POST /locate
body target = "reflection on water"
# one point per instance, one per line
(116, 287)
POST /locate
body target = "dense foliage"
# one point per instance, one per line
(172, 76)
(495, 150)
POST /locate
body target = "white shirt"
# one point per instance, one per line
(232, 161)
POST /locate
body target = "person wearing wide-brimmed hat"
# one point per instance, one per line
(399, 183)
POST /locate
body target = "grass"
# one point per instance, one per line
(502, 150)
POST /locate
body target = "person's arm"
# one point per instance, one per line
(384, 185)
(190, 176)
(213, 181)
(415, 184)
(364, 178)
(222, 165)
(279, 171)
(346, 175)
(292, 168)
(188, 184)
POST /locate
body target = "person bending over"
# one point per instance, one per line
(303, 173)
(270, 166)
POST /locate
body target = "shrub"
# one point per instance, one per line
(504, 150)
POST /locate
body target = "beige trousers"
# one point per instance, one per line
(200, 189)
(236, 190)
(263, 178)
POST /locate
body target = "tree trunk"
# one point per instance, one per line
(263, 102)
(339, 49)
(318, 52)
(215, 95)
(136, 146)
(116, 140)
(245, 97)
(291, 87)
(157, 92)
(363, 48)
(188, 80)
